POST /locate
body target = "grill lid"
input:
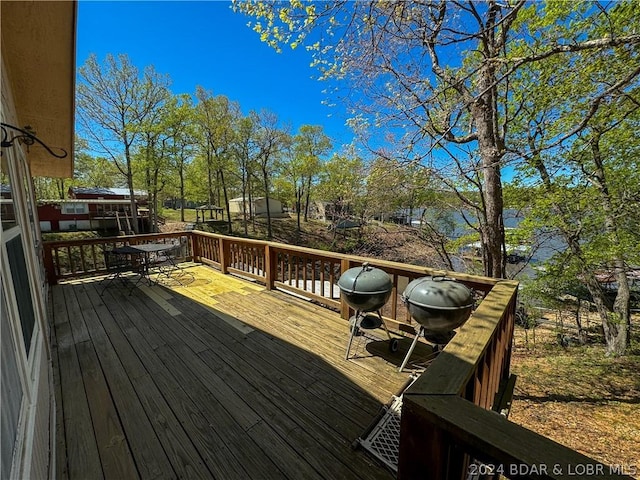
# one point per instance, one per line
(438, 292)
(365, 280)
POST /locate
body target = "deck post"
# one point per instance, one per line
(49, 266)
(423, 451)
(270, 266)
(345, 310)
(195, 247)
(224, 254)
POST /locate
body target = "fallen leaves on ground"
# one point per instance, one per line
(579, 397)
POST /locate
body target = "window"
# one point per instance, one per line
(19, 275)
(7, 210)
(74, 208)
(10, 391)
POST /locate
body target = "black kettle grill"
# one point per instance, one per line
(439, 305)
(366, 289)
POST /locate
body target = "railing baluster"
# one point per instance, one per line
(332, 278)
(305, 267)
(83, 265)
(70, 259)
(394, 297)
(93, 255)
(281, 270)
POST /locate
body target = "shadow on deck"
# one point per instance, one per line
(216, 378)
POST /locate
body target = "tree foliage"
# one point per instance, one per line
(438, 75)
(115, 105)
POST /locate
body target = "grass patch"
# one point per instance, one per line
(171, 215)
(61, 236)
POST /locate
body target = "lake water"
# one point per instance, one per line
(454, 225)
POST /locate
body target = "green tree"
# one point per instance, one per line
(245, 153)
(181, 135)
(439, 74)
(114, 100)
(582, 152)
(270, 141)
(310, 145)
(343, 184)
(302, 164)
(153, 158)
(216, 117)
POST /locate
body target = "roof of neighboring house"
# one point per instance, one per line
(106, 191)
(239, 199)
(92, 201)
(209, 207)
(346, 224)
(5, 188)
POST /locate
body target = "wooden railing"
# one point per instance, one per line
(450, 428)
(448, 418)
(82, 257)
(313, 274)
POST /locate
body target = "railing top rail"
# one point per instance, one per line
(482, 283)
(121, 238)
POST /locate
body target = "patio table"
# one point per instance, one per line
(140, 259)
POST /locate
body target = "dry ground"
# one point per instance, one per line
(578, 397)
(389, 242)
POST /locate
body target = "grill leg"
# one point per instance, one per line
(384, 325)
(413, 345)
(354, 329)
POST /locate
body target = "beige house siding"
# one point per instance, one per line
(38, 73)
(259, 206)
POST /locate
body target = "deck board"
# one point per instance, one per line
(213, 448)
(141, 435)
(83, 459)
(226, 381)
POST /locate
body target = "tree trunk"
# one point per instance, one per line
(265, 177)
(226, 200)
(252, 215)
(306, 201)
(209, 183)
(134, 208)
(490, 145)
(245, 220)
(60, 186)
(614, 323)
(298, 194)
(181, 194)
(153, 220)
(181, 188)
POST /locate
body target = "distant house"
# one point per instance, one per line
(102, 193)
(86, 214)
(329, 211)
(258, 207)
(176, 203)
(93, 209)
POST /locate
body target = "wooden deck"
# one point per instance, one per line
(217, 378)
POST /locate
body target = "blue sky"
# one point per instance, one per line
(205, 43)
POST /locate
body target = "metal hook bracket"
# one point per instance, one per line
(26, 136)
